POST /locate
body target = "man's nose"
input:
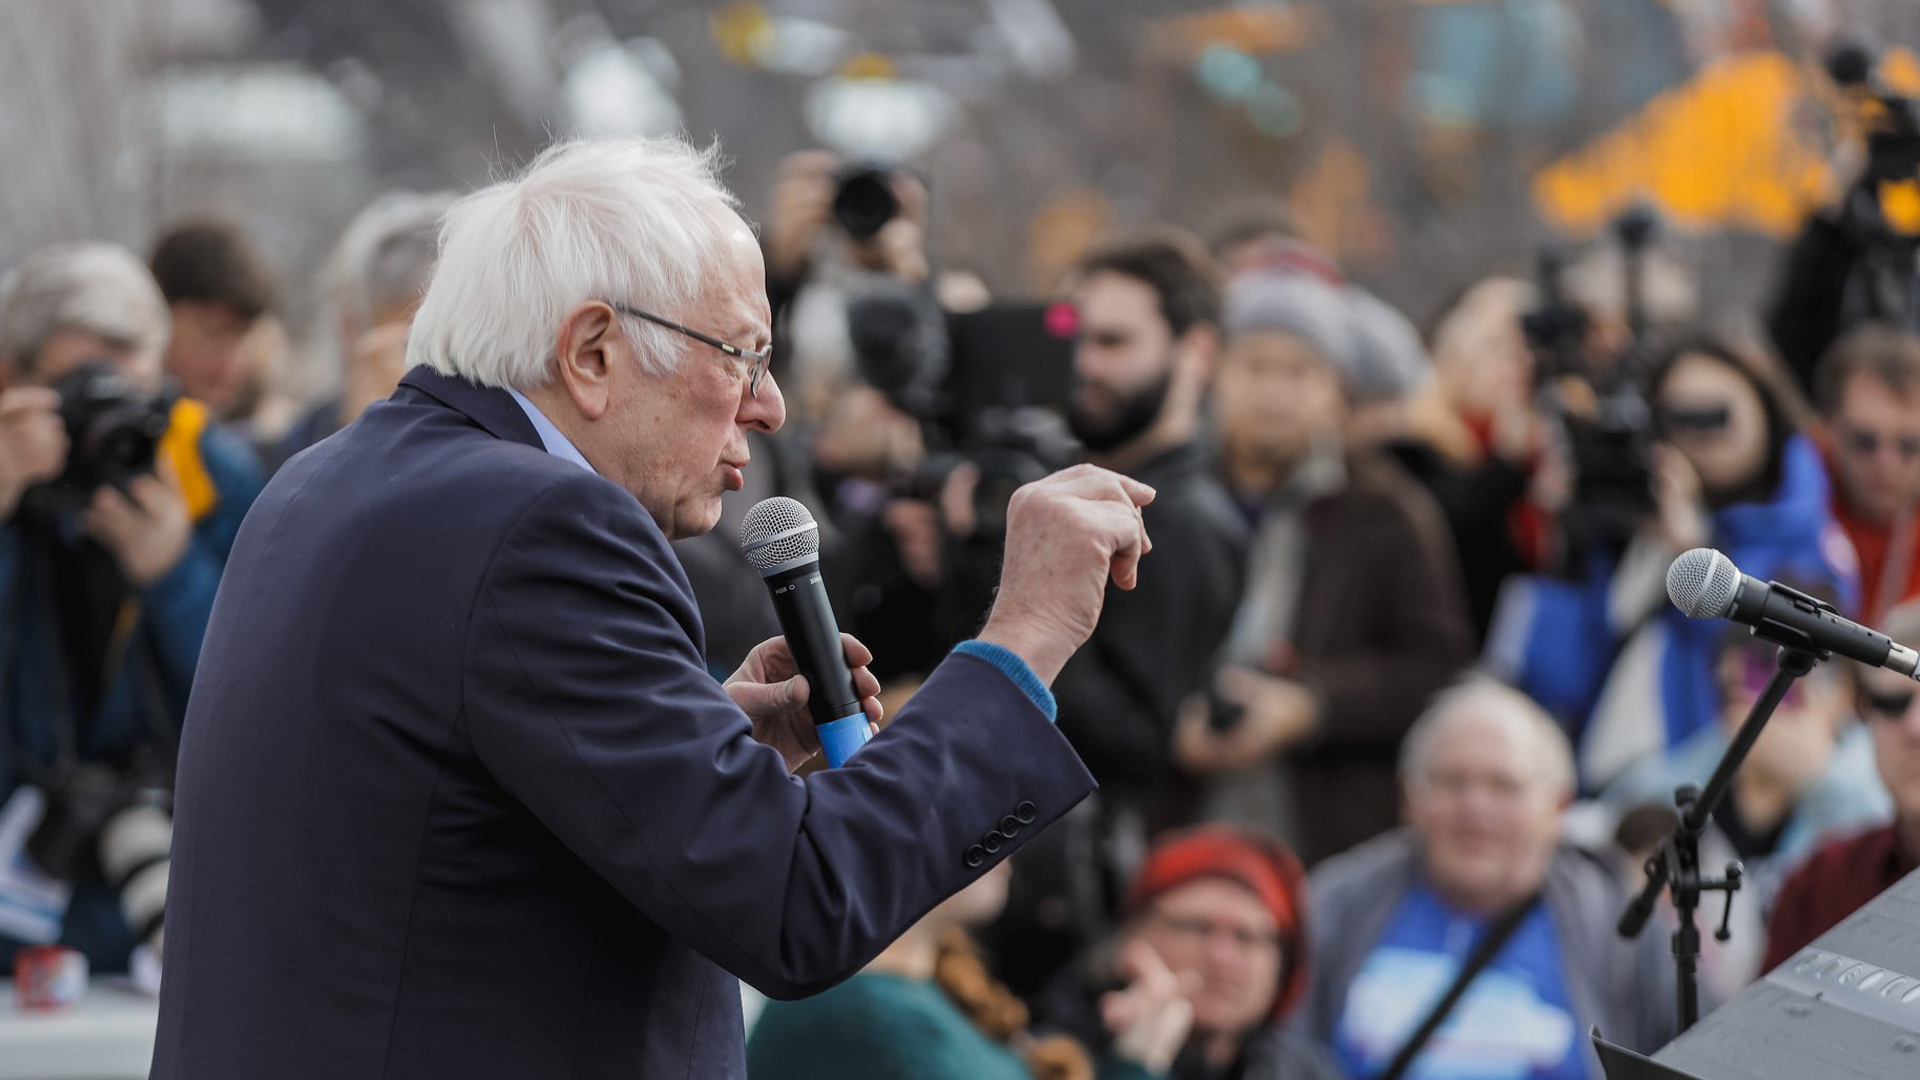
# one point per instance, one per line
(764, 409)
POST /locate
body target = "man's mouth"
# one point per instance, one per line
(733, 474)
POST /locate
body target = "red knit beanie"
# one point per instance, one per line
(1261, 864)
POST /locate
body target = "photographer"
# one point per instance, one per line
(1627, 672)
(1849, 264)
(120, 502)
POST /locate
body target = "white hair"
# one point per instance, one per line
(631, 219)
(99, 288)
(1481, 697)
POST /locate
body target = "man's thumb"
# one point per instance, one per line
(765, 699)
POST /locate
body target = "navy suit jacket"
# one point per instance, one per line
(459, 798)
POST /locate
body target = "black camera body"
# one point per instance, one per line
(114, 427)
(1599, 402)
(863, 199)
(82, 801)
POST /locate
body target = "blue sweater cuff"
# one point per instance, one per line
(1016, 669)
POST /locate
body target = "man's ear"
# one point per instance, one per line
(583, 356)
(1199, 351)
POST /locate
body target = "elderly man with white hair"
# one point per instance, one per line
(1486, 776)
(111, 549)
(458, 797)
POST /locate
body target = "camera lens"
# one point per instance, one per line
(864, 201)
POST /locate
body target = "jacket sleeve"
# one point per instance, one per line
(588, 700)
(1552, 639)
(1422, 639)
(179, 604)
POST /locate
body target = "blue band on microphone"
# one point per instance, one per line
(840, 738)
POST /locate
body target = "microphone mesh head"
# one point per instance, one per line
(778, 530)
(1701, 583)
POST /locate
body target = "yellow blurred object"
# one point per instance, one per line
(180, 446)
(1719, 150)
(867, 65)
(743, 32)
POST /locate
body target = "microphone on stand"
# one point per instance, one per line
(1705, 584)
(781, 540)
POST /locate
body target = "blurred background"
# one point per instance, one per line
(1406, 136)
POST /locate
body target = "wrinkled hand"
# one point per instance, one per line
(1151, 1018)
(33, 442)
(1066, 534)
(147, 532)
(773, 694)
(1275, 714)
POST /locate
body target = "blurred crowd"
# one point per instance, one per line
(1384, 735)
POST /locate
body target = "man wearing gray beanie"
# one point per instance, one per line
(1353, 612)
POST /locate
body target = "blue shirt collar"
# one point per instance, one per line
(550, 437)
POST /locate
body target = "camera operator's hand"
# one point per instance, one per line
(1682, 518)
(33, 442)
(1066, 534)
(918, 537)
(149, 532)
(899, 249)
(801, 208)
(1275, 713)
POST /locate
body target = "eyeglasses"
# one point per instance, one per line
(1694, 420)
(1194, 931)
(1892, 706)
(1868, 443)
(759, 359)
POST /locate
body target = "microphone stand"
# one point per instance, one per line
(1677, 861)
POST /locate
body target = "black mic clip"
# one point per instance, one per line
(1788, 635)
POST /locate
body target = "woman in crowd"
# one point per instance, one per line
(1608, 653)
(1224, 910)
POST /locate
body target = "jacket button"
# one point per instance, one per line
(1010, 826)
(1026, 812)
(975, 856)
(992, 841)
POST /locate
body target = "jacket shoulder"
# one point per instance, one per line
(1382, 866)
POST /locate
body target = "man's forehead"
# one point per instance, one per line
(1483, 743)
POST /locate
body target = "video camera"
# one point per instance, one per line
(113, 427)
(1893, 137)
(1599, 401)
(863, 199)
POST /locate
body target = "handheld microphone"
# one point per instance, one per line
(781, 540)
(1704, 584)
